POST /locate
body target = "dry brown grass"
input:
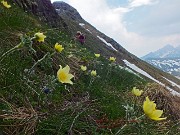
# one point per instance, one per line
(18, 120)
(165, 100)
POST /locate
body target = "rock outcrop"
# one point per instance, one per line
(43, 9)
(63, 8)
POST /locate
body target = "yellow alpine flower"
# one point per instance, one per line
(5, 4)
(64, 76)
(97, 55)
(113, 59)
(83, 68)
(137, 92)
(39, 36)
(58, 47)
(149, 108)
(93, 73)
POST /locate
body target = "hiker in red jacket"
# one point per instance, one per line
(80, 37)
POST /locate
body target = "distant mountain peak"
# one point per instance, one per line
(168, 51)
(168, 46)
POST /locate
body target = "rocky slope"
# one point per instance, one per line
(64, 9)
(100, 43)
(43, 9)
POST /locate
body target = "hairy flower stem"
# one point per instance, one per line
(125, 125)
(142, 116)
(70, 130)
(108, 73)
(52, 54)
(39, 61)
(10, 51)
(91, 81)
(121, 129)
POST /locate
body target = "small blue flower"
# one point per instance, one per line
(47, 90)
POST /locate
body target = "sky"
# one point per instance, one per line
(140, 26)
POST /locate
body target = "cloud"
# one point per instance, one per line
(137, 3)
(110, 21)
(131, 34)
(161, 19)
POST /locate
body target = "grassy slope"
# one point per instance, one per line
(90, 106)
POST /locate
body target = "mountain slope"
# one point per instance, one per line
(45, 91)
(100, 43)
(166, 59)
(167, 51)
(169, 65)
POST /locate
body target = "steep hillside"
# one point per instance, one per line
(100, 43)
(51, 84)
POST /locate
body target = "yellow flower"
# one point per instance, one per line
(64, 76)
(5, 4)
(149, 108)
(58, 47)
(39, 36)
(93, 73)
(97, 55)
(137, 92)
(83, 68)
(113, 59)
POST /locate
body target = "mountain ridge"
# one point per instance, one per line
(167, 51)
(166, 59)
(95, 36)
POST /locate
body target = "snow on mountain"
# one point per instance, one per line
(166, 52)
(166, 59)
(81, 24)
(137, 69)
(173, 84)
(171, 66)
(107, 47)
(108, 44)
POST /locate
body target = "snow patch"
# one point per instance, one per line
(108, 44)
(137, 69)
(81, 24)
(89, 31)
(57, 9)
(129, 70)
(173, 83)
(173, 92)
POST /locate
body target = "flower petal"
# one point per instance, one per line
(69, 81)
(64, 76)
(156, 115)
(66, 69)
(70, 76)
(148, 106)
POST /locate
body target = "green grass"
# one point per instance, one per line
(66, 108)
